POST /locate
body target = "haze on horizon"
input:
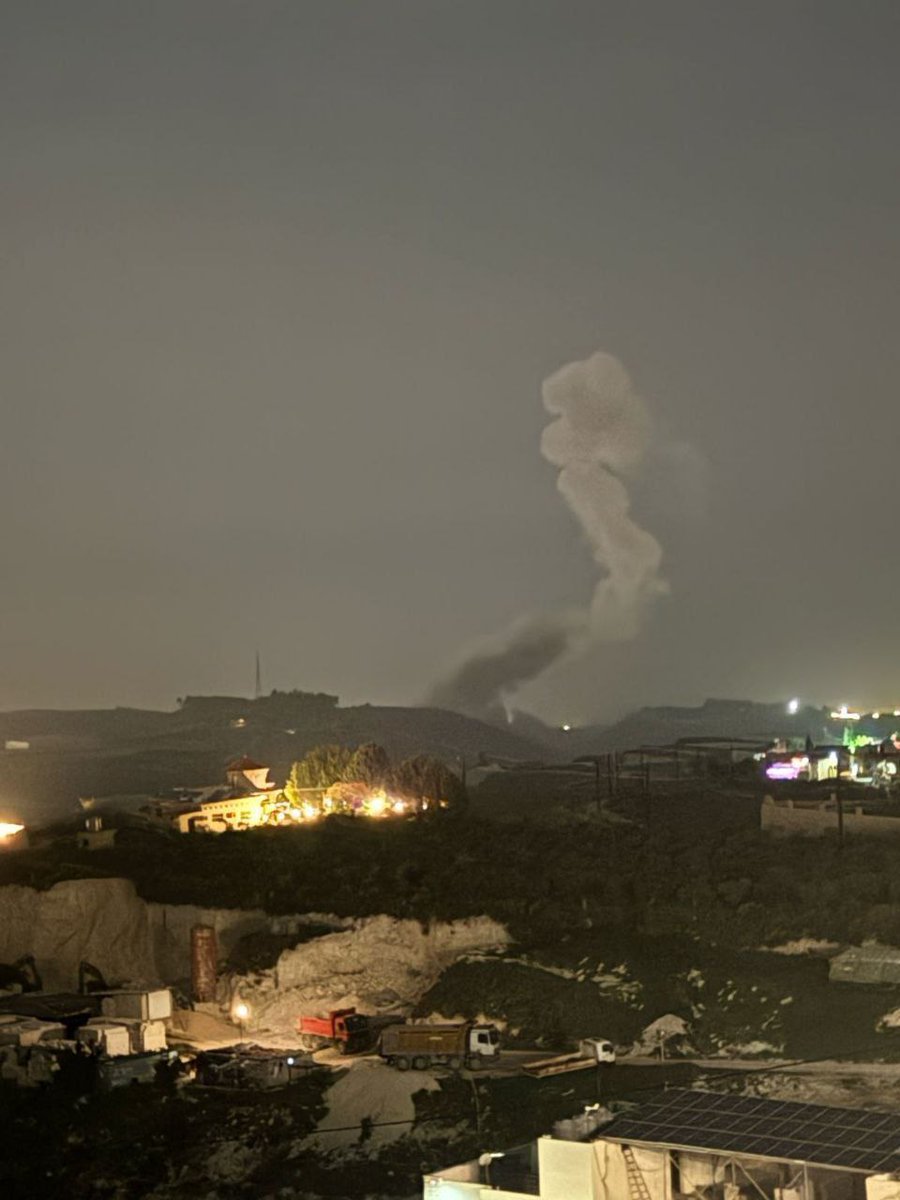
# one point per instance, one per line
(282, 282)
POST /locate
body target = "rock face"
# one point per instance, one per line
(100, 920)
(105, 922)
(377, 963)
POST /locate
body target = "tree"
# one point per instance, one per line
(322, 766)
(370, 765)
(428, 779)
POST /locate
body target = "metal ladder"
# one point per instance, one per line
(637, 1184)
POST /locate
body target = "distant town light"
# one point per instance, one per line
(844, 714)
(566, 728)
(793, 705)
(788, 770)
(875, 716)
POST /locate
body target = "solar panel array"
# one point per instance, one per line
(851, 1138)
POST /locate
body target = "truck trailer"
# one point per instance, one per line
(454, 1046)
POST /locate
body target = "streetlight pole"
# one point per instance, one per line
(242, 1013)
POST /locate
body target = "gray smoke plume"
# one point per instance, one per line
(497, 666)
(598, 439)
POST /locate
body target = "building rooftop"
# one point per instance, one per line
(245, 764)
(850, 1138)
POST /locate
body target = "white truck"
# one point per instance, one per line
(591, 1052)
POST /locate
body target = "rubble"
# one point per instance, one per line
(805, 945)
(668, 1035)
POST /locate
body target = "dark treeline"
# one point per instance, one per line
(734, 885)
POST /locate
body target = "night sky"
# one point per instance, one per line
(280, 286)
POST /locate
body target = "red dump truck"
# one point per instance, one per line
(350, 1031)
(423, 1046)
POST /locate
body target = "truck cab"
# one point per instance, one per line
(484, 1041)
(598, 1050)
(352, 1032)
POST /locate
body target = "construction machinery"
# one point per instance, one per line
(454, 1046)
(592, 1052)
(350, 1031)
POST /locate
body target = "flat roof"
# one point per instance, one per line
(849, 1138)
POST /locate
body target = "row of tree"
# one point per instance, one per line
(416, 779)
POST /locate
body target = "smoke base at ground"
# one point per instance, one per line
(600, 435)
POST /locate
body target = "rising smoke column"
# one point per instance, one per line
(598, 439)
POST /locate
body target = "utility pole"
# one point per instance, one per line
(838, 798)
(595, 760)
(461, 759)
(257, 691)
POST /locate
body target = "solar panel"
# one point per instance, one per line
(781, 1129)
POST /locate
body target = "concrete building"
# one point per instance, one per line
(244, 801)
(235, 812)
(699, 1144)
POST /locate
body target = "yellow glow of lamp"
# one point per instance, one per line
(241, 1014)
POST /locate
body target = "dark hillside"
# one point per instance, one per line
(657, 726)
(126, 751)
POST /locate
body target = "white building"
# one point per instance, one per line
(699, 1144)
(247, 799)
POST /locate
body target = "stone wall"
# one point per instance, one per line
(815, 820)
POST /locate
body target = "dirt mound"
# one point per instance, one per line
(381, 964)
(370, 1106)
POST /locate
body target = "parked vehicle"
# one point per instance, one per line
(598, 1050)
(350, 1031)
(423, 1046)
(591, 1052)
